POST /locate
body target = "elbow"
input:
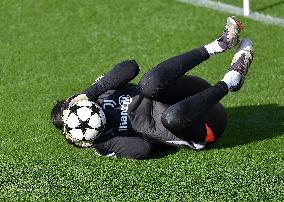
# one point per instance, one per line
(143, 153)
(130, 66)
(150, 85)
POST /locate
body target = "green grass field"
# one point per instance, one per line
(52, 49)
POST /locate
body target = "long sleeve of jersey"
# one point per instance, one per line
(123, 145)
(120, 74)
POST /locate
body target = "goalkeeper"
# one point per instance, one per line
(166, 107)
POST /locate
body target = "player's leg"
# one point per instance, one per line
(211, 125)
(160, 77)
(191, 110)
(180, 116)
(181, 88)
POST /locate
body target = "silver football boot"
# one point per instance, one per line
(230, 36)
(241, 61)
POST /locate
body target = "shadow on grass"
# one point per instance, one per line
(246, 124)
(269, 6)
(159, 151)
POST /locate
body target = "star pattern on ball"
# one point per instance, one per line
(84, 125)
(84, 122)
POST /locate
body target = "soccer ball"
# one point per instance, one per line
(83, 122)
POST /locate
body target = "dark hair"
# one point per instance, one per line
(56, 117)
(56, 114)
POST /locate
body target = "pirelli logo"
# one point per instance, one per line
(123, 102)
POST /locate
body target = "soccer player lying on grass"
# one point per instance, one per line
(166, 106)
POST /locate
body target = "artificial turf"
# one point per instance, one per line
(52, 49)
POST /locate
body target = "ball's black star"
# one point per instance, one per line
(84, 126)
(74, 108)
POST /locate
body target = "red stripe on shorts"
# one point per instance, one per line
(209, 136)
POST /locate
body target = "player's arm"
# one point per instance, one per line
(120, 75)
(117, 77)
(132, 147)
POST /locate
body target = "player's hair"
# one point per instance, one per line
(56, 114)
(56, 118)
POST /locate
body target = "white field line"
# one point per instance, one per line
(235, 11)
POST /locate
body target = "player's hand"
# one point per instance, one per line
(78, 98)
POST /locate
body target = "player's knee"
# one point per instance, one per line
(149, 85)
(172, 120)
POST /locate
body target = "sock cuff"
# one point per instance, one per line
(223, 86)
(204, 52)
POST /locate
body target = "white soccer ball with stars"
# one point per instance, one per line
(83, 121)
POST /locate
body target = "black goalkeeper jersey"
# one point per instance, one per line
(127, 110)
(129, 113)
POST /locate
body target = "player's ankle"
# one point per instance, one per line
(232, 78)
(214, 48)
